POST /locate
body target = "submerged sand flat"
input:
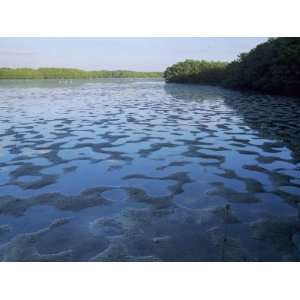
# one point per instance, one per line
(137, 170)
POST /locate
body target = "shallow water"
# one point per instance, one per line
(137, 170)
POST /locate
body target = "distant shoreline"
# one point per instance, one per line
(70, 73)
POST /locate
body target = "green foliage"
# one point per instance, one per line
(64, 73)
(193, 71)
(272, 67)
(21, 73)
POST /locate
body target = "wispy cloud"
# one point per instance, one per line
(17, 52)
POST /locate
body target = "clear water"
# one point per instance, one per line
(137, 170)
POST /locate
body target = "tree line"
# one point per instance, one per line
(272, 67)
(68, 73)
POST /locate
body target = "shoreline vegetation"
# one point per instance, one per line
(70, 73)
(272, 67)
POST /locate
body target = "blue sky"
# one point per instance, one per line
(141, 54)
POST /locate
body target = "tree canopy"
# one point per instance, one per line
(194, 71)
(272, 67)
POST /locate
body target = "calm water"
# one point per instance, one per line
(137, 170)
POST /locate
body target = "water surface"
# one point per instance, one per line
(137, 170)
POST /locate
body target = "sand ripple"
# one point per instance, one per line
(136, 170)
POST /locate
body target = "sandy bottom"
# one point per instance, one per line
(136, 170)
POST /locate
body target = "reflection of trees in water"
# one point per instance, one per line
(270, 116)
(188, 92)
(67, 83)
(41, 83)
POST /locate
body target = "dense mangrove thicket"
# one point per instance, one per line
(65, 73)
(193, 71)
(272, 67)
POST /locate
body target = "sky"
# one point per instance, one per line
(138, 54)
